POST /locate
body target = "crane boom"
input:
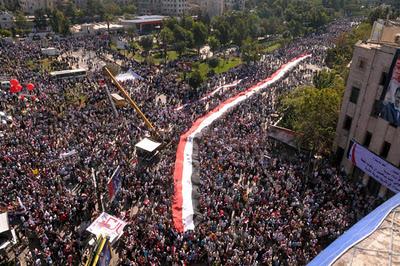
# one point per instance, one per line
(132, 102)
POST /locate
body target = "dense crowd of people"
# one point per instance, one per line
(259, 206)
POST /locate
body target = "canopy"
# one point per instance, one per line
(4, 226)
(147, 145)
(129, 75)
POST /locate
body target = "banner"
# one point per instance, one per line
(390, 107)
(185, 205)
(107, 225)
(114, 184)
(374, 166)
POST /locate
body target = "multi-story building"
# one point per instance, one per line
(173, 7)
(214, 8)
(163, 7)
(30, 6)
(364, 117)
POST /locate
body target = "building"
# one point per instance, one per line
(164, 7)
(143, 23)
(213, 8)
(6, 20)
(371, 241)
(30, 6)
(94, 28)
(363, 116)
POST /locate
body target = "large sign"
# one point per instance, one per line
(107, 225)
(390, 108)
(373, 165)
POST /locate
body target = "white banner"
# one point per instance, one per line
(107, 225)
(374, 166)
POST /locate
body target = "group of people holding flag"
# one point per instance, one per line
(254, 207)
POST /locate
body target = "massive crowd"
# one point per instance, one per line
(258, 206)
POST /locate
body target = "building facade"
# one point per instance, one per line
(360, 116)
(213, 8)
(30, 6)
(162, 7)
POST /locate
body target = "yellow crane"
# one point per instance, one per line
(149, 125)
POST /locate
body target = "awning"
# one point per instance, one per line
(147, 145)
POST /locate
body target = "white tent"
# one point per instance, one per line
(147, 145)
(4, 226)
(129, 75)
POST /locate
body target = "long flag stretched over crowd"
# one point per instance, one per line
(186, 178)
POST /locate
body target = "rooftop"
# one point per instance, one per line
(385, 32)
(143, 19)
(380, 248)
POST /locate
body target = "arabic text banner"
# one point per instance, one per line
(374, 166)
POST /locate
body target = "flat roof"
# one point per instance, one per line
(147, 145)
(67, 71)
(4, 226)
(144, 19)
(374, 240)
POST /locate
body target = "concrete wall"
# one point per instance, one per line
(368, 63)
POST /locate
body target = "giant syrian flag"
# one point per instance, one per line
(185, 206)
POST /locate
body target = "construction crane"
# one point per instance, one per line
(155, 133)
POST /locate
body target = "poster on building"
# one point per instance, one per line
(374, 166)
(390, 107)
(107, 225)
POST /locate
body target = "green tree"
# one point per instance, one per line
(199, 35)
(222, 30)
(214, 43)
(59, 23)
(40, 20)
(166, 39)
(213, 62)
(108, 17)
(324, 79)
(313, 114)
(146, 43)
(195, 79)
(184, 39)
(5, 33)
(250, 50)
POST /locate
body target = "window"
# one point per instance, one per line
(347, 122)
(354, 94)
(361, 63)
(375, 108)
(383, 79)
(367, 139)
(385, 149)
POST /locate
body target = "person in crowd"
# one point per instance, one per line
(258, 206)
